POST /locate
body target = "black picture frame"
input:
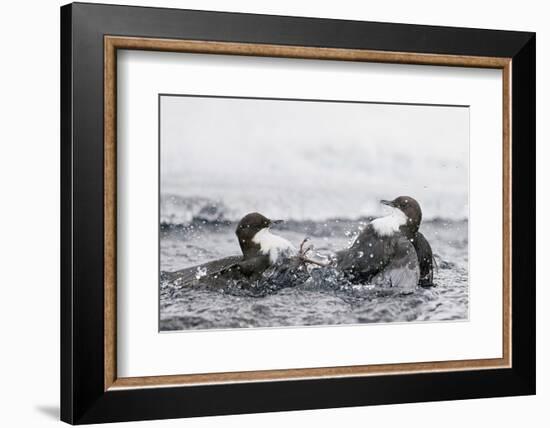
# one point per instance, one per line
(83, 398)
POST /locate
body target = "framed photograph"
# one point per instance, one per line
(265, 213)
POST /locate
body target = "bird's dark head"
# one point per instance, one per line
(249, 225)
(410, 207)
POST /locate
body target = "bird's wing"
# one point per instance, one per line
(204, 270)
(425, 260)
(402, 271)
(368, 254)
(253, 266)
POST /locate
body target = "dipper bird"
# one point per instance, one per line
(391, 251)
(260, 250)
(260, 247)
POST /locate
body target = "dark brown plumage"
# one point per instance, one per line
(390, 250)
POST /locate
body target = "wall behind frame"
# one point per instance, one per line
(29, 220)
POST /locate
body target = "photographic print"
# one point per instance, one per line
(289, 212)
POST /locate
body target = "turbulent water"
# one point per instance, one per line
(318, 296)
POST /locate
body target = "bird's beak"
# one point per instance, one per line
(388, 203)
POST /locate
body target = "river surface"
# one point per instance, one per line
(319, 297)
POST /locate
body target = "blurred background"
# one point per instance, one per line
(224, 157)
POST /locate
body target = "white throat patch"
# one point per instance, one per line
(388, 225)
(273, 245)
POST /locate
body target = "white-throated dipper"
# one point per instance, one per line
(260, 249)
(391, 251)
